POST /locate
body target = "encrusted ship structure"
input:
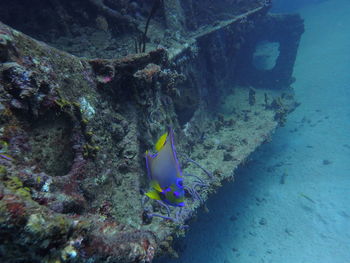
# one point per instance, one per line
(86, 87)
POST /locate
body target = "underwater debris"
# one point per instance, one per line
(252, 98)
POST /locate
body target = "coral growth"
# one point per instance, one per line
(73, 131)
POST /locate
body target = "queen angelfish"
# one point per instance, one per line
(165, 173)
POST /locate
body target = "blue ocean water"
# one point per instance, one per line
(292, 201)
(281, 6)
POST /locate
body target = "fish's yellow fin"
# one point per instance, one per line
(153, 194)
(155, 185)
(161, 141)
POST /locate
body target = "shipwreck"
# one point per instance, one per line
(86, 87)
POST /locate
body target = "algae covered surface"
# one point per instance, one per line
(75, 127)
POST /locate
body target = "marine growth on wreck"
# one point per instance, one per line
(87, 87)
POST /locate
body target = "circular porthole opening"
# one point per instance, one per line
(265, 55)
